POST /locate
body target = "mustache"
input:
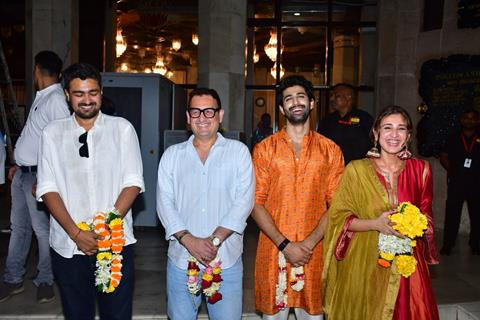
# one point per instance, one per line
(83, 104)
(297, 106)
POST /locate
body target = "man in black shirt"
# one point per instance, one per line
(461, 159)
(348, 126)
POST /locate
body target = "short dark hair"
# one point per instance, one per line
(345, 85)
(49, 63)
(80, 70)
(291, 81)
(204, 92)
(387, 111)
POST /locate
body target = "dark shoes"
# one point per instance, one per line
(8, 290)
(45, 293)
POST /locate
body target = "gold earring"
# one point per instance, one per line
(405, 154)
(374, 152)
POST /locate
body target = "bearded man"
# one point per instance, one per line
(297, 172)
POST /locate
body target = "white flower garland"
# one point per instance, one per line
(297, 281)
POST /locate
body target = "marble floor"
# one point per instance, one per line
(456, 280)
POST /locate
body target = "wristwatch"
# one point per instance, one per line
(216, 241)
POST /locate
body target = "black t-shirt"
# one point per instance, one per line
(351, 132)
(459, 148)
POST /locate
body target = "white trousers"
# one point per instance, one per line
(300, 314)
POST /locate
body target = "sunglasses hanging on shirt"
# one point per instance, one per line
(83, 151)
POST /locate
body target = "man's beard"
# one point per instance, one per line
(89, 115)
(297, 119)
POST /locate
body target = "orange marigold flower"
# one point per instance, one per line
(383, 263)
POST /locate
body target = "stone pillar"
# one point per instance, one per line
(368, 60)
(50, 25)
(345, 62)
(221, 55)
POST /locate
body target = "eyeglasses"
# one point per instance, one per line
(207, 112)
(83, 151)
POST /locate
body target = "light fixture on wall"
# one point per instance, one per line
(195, 39)
(271, 47)
(176, 44)
(273, 71)
(256, 56)
(121, 45)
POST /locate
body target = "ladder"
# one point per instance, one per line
(3, 113)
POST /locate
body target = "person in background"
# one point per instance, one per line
(356, 287)
(25, 215)
(90, 163)
(264, 129)
(347, 126)
(461, 159)
(205, 194)
(297, 172)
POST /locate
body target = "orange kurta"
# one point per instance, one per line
(295, 192)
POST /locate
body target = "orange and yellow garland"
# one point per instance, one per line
(109, 226)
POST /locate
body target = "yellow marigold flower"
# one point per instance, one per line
(413, 243)
(217, 270)
(387, 256)
(192, 272)
(116, 222)
(104, 256)
(405, 265)
(83, 226)
(111, 288)
(207, 277)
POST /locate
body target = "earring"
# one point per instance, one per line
(374, 152)
(405, 154)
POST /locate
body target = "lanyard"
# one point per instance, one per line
(468, 149)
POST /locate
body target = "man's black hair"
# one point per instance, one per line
(204, 92)
(49, 63)
(80, 70)
(291, 81)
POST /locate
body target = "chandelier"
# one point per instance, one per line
(121, 45)
(160, 67)
(273, 71)
(271, 47)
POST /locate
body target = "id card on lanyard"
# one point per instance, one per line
(468, 150)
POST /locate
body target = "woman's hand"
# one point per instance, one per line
(384, 225)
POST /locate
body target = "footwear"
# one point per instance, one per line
(45, 293)
(10, 289)
(445, 251)
(6, 230)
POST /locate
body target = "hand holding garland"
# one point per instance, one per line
(201, 249)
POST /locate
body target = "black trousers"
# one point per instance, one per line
(457, 194)
(76, 280)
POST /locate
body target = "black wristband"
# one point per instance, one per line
(283, 244)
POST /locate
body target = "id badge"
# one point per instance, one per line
(467, 163)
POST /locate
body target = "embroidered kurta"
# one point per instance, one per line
(296, 192)
(355, 286)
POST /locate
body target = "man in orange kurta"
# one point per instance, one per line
(297, 173)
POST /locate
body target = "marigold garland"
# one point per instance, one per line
(296, 280)
(211, 278)
(411, 223)
(109, 226)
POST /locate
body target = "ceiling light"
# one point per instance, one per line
(176, 44)
(195, 39)
(271, 47)
(273, 71)
(160, 67)
(296, 14)
(121, 45)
